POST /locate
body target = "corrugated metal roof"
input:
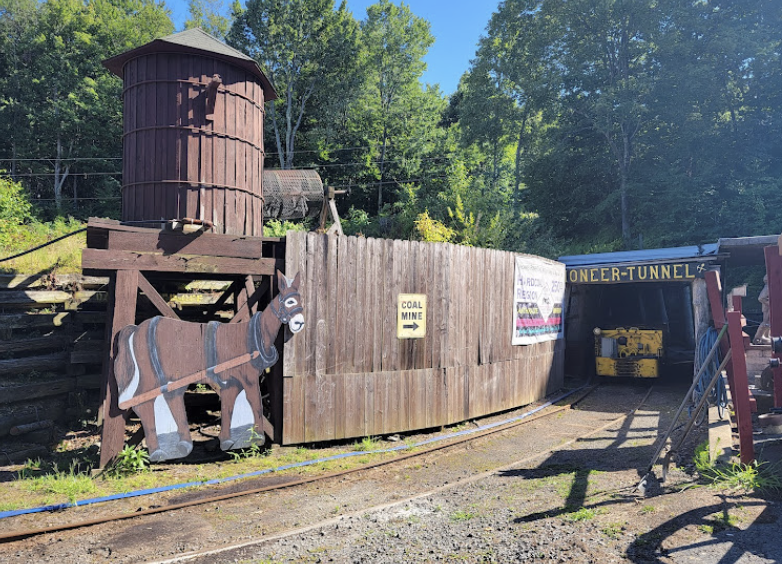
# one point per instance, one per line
(696, 252)
(195, 41)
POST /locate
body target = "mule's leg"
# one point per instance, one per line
(238, 425)
(146, 413)
(177, 404)
(169, 443)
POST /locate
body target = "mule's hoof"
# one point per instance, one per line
(171, 446)
(184, 448)
(226, 444)
(242, 437)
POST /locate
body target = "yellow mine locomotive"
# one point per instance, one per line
(629, 352)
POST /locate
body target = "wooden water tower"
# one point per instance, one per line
(192, 149)
(193, 133)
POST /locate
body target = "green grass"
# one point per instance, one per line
(719, 522)
(462, 515)
(612, 530)
(71, 484)
(582, 514)
(755, 476)
(367, 444)
(63, 256)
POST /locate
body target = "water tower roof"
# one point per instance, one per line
(194, 41)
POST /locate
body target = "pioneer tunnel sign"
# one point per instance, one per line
(619, 273)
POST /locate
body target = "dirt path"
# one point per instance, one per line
(493, 501)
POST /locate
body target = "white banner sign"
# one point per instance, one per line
(538, 301)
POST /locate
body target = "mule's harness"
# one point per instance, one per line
(283, 313)
(258, 356)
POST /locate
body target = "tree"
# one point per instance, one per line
(396, 41)
(304, 46)
(69, 106)
(207, 15)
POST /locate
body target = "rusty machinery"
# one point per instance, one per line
(300, 194)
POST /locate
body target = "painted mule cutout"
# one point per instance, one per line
(159, 358)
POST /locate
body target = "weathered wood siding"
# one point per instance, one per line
(347, 375)
(180, 161)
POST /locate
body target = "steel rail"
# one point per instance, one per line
(422, 495)
(19, 535)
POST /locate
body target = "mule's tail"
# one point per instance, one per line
(126, 370)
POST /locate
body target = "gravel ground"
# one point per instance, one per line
(531, 494)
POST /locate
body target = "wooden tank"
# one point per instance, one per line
(193, 133)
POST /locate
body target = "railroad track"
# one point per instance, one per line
(317, 482)
(208, 555)
(9, 536)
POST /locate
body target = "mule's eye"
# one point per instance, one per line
(290, 302)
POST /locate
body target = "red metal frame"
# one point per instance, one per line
(774, 272)
(737, 368)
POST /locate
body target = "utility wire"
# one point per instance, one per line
(28, 251)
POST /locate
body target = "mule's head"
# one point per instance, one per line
(290, 307)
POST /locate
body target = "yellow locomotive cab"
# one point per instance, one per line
(631, 352)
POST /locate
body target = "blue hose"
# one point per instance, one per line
(718, 395)
(137, 493)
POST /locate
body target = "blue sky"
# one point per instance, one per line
(456, 25)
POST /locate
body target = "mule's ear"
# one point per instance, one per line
(282, 282)
(296, 280)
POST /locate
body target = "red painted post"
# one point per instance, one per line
(739, 390)
(714, 291)
(774, 272)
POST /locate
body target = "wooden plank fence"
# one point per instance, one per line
(348, 375)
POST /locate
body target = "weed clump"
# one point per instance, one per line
(755, 476)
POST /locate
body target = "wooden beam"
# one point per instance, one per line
(107, 234)
(153, 296)
(123, 294)
(45, 389)
(249, 305)
(227, 293)
(40, 363)
(101, 260)
(739, 391)
(34, 298)
(37, 344)
(774, 272)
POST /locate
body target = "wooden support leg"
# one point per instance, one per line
(740, 389)
(123, 294)
(774, 272)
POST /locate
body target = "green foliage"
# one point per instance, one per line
(358, 222)
(276, 228)
(71, 483)
(63, 256)
(305, 47)
(462, 515)
(429, 229)
(756, 476)
(130, 460)
(207, 15)
(582, 514)
(367, 444)
(15, 211)
(60, 109)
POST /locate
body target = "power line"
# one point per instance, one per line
(72, 174)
